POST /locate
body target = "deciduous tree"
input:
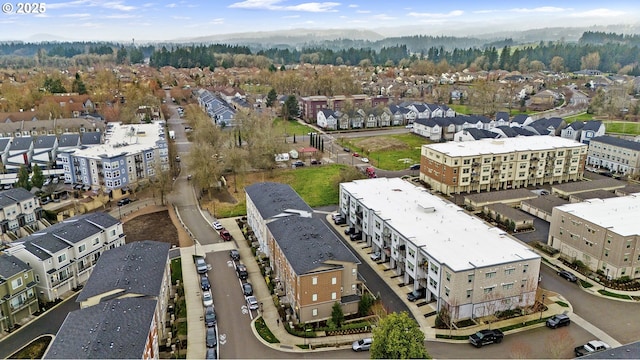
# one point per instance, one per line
(398, 336)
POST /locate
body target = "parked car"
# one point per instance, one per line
(346, 149)
(216, 225)
(364, 160)
(591, 347)
(204, 282)
(212, 337)
(234, 255)
(315, 162)
(356, 154)
(225, 235)
(211, 354)
(298, 163)
(252, 302)
(201, 265)
(247, 289)
(567, 275)
(408, 126)
(416, 294)
(414, 167)
(210, 316)
(340, 221)
(177, 158)
(484, 337)
(124, 201)
(349, 231)
(356, 236)
(242, 271)
(558, 320)
(335, 216)
(376, 256)
(207, 299)
(362, 344)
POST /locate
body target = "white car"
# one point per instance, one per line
(207, 299)
(376, 256)
(252, 302)
(364, 160)
(217, 225)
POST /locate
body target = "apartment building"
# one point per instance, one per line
(63, 255)
(467, 266)
(603, 234)
(614, 154)
(18, 297)
(497, 164)
(131, 153)
(311, 105)
(311, 266)
(18, 208)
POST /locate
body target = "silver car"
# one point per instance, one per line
(207, 299)
(362, 344)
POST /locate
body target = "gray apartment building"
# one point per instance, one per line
(614, 154)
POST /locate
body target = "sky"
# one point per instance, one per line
(149, 20)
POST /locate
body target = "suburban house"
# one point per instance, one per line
(543, 100)
(216, 107)
(471, 270)
(310, 106)
(521, 120)
(601, 233)
(614, 154)
(473, 134)
(312, 267)
(592, 129)
(18, 296)
(547, 126)
(18, 208)
(130, 154)
(498, 164)
(327, 119)
(20, 152)
(45, 149)
(63, 255)
(136, 270)
(124, 328)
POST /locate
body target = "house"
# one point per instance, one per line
(18, 296)
(614, 154)
(502, 118)
(521, 120)
(45, 151)
(315, 270)
(510, 132)
(119, 329)
(592, 129)
(428, 128)
(505, 214)
(20, 153)
(63, 255)
(472, 134)
(18, 208)
(327, 119)
(472, 269)
(551, 126)
(545, 99)
(311, 105)
(572, 131)
(136, 270)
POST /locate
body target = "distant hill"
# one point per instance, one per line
(291, 37)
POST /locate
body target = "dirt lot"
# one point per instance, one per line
(154, 226)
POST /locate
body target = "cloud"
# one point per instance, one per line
(274, 5)
(291, 17)
(76, 15)
(383, 17)
(180, 17)
(172, 5)
(122, 16)
(542, 9)
(602, 13)
(217, 21)
(68, 4)
(118, 5)
(113, 5)
(354, 6)
(453, 13)
(363, 11)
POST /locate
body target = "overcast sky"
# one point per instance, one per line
(168, 20)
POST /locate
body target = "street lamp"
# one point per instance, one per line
(542, 308)
(606, 279)
(178, 346)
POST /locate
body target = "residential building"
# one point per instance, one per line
(313, 267)
(139, 269)
(131, 153)
(20, 153)
(327, 119)
(497, 164)
(118, 329)
(217, 108)
(603, 234)
(468, 267)
(614, 154)
(18, 208)
(18, 296)
(590, 130)
(63, 255)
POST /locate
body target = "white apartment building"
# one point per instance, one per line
(601, 233)
(615, 154)
(498, 164)
(467, 266)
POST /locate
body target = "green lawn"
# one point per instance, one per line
(622, 127)
(291, 127)
(580, 117)
(389, 152)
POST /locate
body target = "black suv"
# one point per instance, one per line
(349, 231)
(124, 201)
(356, 236)
(247, 289)
(484, 337)
(242, 271)
(339, 220)
(568, 275)
(234, 254)
(210, 316)
(415, 295)
(558, 320)
(204, 282)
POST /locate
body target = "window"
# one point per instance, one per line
(314, 297)
(314, 280)
(16, 283)
(448, 276)
(334, 296)
(525, 268)
(470, 278)
(334, 280)
(62, 258)
(489, 290)
(314, 312)
(446, 291)
(469, 293)
(434, 268)
(507, 286)
(82, 248)
(490, 275)
(509, 271)
(96, 241)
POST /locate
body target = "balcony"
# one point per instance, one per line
(475, 164)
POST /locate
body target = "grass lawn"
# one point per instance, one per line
(290, 127)
(580, 117)
(622, 127)
(176, 270)
(264, 331)
(389, 152)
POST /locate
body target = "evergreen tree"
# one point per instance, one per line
(23, 178)
(37, 179)
(272, 96)
(291, 108)
(78, 85)
(337, 316)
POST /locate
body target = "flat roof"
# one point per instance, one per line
(501, 195)
(589, 185)
(504, 146)
(443, 230)
(125, 139)
(618, 214)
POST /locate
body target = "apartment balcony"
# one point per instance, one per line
(475, 164)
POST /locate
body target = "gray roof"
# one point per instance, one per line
(576, 125)
(136, 269)
(500, 196)
(582, 186)
(21, 143)
(91, 138)
(308, 243)
(481, 133)
(593, 125)
(520, 118)
(10, 266)
(502, 115)
(45, 142)
(629, 189)
(273, 198)
(67, 140)
(60, 236)
(4, 142)
(117, 329)
(611, 140)
(546, 203)
(14, 196)
(594, 194)
(509, 212)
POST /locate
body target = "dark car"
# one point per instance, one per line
(315, 162)
(201, 265)
(414, 167)
(558, 320)
(415, 295)
(484, 337)
(210, 316)
(339, 220)
(298, 163)
(204, 282)
(234, 255)
(212, 337)
(349, 231)
(247, 289)
(346, 149)
(211, 353)
(356, 236)
(242, 271)
(124, 201)
(568, 275)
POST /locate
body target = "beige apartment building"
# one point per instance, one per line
(601, 233)
(615, 154)
(498, 164)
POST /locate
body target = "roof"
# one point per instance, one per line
(504, 146)
(612, 140)
(10, 266)
(502, 115)
(117, 329)
(91, 138)
(272, 199)
(500, 196)
(593, 125)
(14, 196)
(546, 203)
(66, 140)
(628, 351)
(481, 133)
(520, 118)
(443, 230)
(21, 143)
(134, 268)
(582, 186)
(594, 194)
(509, 212)
(618, 214)
(45, 142)
(123, 139)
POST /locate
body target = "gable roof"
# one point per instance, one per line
(10, 266)
(117, 329)
(91, 138)
(135, 268)
(67, 140)
(44, 142)
(593, 125)
(14, 196)
(520, 118)
(502, 115)
(21, 143)
(576, 125)
(328, 113)
(481, 133)
(272, 199)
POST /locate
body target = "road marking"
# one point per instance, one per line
(245, 309)
(223, 339)
(594, 330)
(230, 263)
